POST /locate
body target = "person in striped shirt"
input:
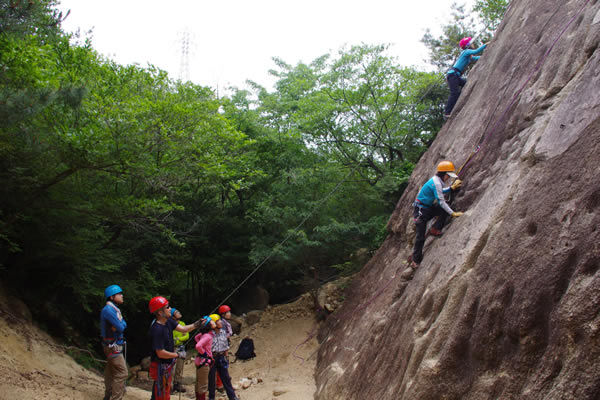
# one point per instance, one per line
(220, 347)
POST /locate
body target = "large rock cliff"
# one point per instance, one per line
(506, 304)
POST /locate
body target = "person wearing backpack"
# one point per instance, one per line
(204, 360)
(220, 346)
(112, 326)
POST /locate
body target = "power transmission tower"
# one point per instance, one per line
(184, 66)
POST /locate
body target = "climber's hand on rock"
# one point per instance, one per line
(457, 214)
(457, 183)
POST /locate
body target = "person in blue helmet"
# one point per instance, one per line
(454, 76)
(112, 326)
(430, 203)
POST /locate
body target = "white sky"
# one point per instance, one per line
(235, 40)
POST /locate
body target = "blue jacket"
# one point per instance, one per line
(432, 194)
(110, 316)
(464, 59)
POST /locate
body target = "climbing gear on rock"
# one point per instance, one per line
(457, 214)
(465, 42)
(112, 290)
(457, 183)
(156, 303)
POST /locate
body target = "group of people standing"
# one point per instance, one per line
(168, 336)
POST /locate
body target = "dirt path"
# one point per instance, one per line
(280, 330)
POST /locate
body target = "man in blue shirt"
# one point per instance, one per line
(430, 203)
(112, 326)
(454, 75)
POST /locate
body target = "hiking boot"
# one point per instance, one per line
(435, 232)
(446, 117)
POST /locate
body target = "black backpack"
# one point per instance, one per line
(246, 349)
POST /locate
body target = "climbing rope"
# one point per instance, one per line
(343, 315)
(294, 231)
(281, 243)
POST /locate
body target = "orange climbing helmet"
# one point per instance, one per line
(156, 303)
(465, 42)
(447, 167)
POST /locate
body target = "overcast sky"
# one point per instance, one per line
(235, 40)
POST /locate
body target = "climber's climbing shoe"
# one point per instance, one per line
(435, 232)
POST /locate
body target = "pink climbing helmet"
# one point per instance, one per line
(465, 42)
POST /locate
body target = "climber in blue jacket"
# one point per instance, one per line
(430, 203)
(454, 75)
(112, 326)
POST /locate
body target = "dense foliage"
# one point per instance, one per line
(119, 174)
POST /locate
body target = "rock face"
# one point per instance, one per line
(506, 303)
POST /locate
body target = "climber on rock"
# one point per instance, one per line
(454, 76)
(430, 203)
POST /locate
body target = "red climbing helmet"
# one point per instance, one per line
(224, 308)
(156, 303)
(465, 42)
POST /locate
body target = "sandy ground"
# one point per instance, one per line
(34, 366)
(283, 363)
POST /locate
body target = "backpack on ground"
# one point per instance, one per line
(246, 349)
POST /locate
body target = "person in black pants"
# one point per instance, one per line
(454, 76)
(430, 203)
(220, 347)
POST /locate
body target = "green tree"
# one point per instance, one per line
(491, 12)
